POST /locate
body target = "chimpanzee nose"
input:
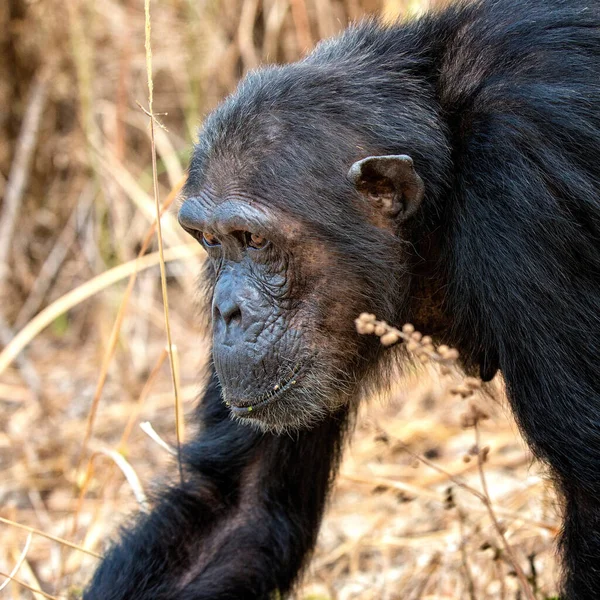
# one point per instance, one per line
(228, 312)
(226, 309)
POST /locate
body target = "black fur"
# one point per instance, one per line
(241, 525)
(498, 103)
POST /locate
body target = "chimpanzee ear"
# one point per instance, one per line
(390, 183)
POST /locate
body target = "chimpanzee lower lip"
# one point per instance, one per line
(243, 407)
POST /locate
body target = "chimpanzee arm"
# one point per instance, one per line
(242, 524)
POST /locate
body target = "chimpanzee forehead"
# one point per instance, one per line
(303, 111)
(288, 135)
(274, 163)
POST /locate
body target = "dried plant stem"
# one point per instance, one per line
(147, 428)
(121, 446)
(527, 591)
(486, 501)
(19, 170)
(19, 562)
(83, 488)
(163, 274)
(301, 24)
(106, 361)
(464, 557)
(56, 257)
(48, 536)
(427, 574)
(245, 34)
(28, 587)
(114, 336)
(461, 484)
(85, 291)
(135, 413)
(423, 348)
(178, 407)
(130, 475)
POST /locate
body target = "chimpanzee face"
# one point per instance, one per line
(285, 296)
(278, 318)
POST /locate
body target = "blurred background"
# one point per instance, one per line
(83, 361)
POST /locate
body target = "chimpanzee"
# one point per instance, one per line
(444, 172)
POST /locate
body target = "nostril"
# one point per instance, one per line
(228, 313)
(234, 317)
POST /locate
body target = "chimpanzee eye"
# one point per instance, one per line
(258, 242)
(209, 239)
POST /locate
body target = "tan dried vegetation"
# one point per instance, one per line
(437, 496)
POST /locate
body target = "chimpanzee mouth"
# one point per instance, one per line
(243, 407)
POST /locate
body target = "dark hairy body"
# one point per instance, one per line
(487, 237)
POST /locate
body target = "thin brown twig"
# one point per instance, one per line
(163, 274)
(19, 562)
(83, 488)
(114, 335)
(301, 25)
(135, 412)
(121, 446)
(28, 587)
(245, 34)
(430, 569)
(461, 484)
(56, 257)
(19, 170)
(152, 116)
(488, 503)
(464, 557)
(51, 537)
(179, 416)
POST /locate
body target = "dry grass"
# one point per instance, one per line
(84, 359)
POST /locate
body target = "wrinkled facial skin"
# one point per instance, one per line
(284, 344)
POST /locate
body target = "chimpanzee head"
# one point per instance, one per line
(301, 193)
